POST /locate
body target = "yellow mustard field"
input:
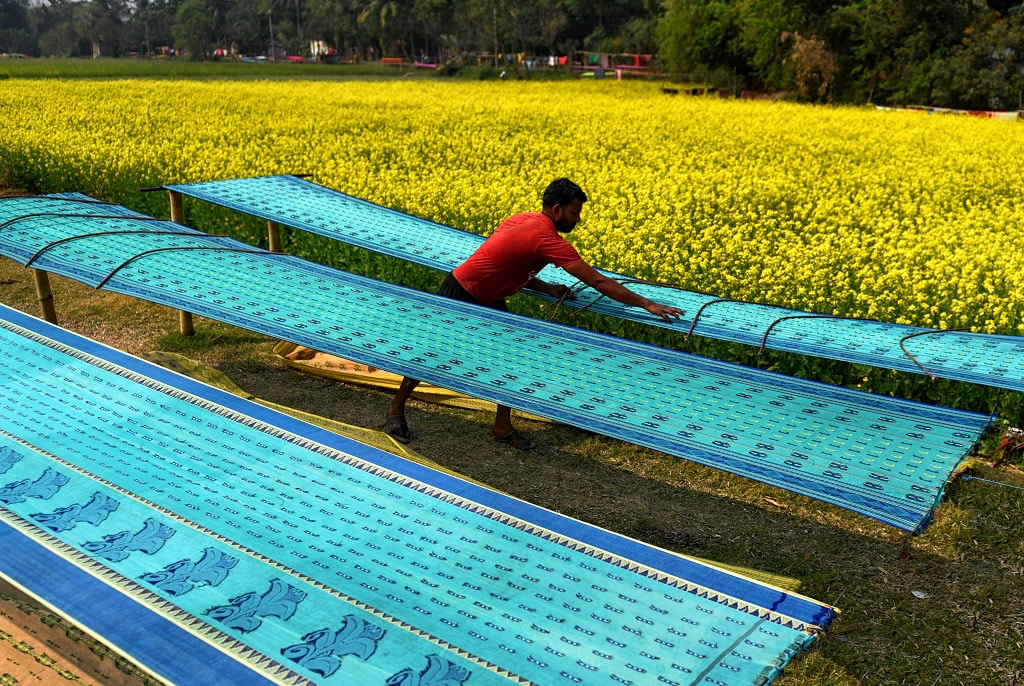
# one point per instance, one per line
(896, 216)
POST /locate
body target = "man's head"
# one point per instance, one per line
(563, 203)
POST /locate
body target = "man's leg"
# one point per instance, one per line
(504, 432)
(405, 389)
(502, 422)
(395, 425)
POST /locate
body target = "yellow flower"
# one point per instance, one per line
(845, 210)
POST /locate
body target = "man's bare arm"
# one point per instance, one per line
(555, 290)
(616, 291)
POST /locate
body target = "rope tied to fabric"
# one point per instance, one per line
(49, 198)
(209, 248)
(990, 481)
(700, 311)
(80, 216)
(579, 286)
(112, 233)
(764, 339)
(574, 290)
(923, 333)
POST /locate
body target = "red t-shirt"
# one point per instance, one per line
(523, 245)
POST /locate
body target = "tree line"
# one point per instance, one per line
(951, 53)
(402, 28)
(954, 53)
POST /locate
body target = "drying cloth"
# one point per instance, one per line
(883, 457)
(379, 439)
(989, 360)
(347, 371)
(215, 541)
(218, 379)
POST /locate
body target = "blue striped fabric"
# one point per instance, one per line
(989, 360)
(218, 542)
(883, 457)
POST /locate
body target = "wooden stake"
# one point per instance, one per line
(274, 236)
(45, 295)
(185, 324)
(177, 215)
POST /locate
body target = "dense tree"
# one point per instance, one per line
(336, 23)
(955, 52)
(14, 14)
(55, 27)
(99, 22)
(950, 52)
(194, 28)
(986, 71)
(16, 33)
(391, 22)
(695, 36)
(147, 27)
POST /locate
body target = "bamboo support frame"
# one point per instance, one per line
(185, 324)
(274, 236)
(45, 295)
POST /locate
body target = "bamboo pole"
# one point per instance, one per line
(185, 324)
(45, 295)
(274, 236)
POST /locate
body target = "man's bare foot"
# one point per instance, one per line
(516, 440)
(396, 427)
(301, 353)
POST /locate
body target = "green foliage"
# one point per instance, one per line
(179, 68)
(15, 28)
(947, 52)
(953, 53)
(357, 29)
(695, 35)
(192, 30)
(986, 71)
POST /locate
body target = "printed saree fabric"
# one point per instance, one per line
(216, 541)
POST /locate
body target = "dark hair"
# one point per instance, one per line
(562, 192)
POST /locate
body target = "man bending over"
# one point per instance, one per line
(506, 263)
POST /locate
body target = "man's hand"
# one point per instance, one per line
(560, 291)
(616, 291)
(664, 311)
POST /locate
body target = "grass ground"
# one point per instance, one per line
(946, 608)
(124, 68)
(181, 68)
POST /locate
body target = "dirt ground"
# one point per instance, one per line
(37, 647)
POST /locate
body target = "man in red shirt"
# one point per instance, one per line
(506, 263)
